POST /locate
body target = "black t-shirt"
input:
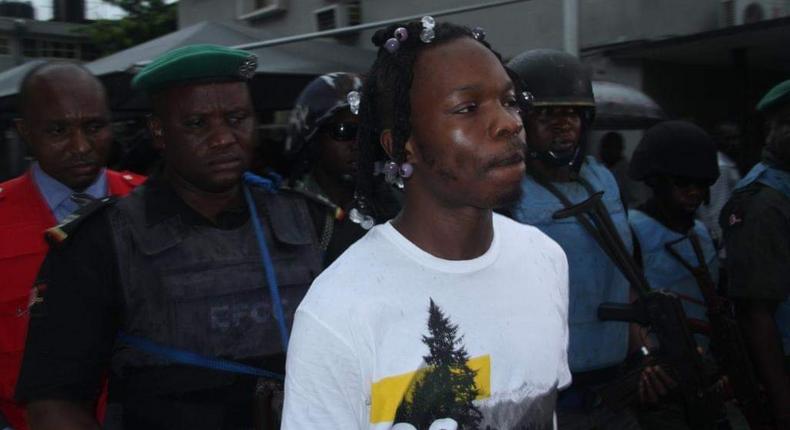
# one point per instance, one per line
(74, 325)
(756, 225)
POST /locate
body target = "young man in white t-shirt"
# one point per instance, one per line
(449, 316)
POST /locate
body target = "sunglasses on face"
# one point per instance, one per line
(686, 182)
(342, 131)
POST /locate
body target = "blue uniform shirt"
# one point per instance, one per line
(594, 279)
(58, 195)
(664, 272)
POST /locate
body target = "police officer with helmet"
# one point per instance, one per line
(559, 175)
(322, 140)
(184, 290)
(677, 160)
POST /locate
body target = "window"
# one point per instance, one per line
(342, 14)
(326, 19)
(253, 9)
(49, 48)
(29, 48)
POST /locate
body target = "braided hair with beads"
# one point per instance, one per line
(386, 100)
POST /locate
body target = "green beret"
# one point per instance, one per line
(775, 97)
(196, 63)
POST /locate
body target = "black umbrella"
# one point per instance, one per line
(619, 106)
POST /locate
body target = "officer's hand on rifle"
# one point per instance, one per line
(654, 384)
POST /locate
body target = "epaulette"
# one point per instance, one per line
(132, 179)
(337, 211)
(58, 234)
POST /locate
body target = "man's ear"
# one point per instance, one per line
(157, 132)
(387, 142)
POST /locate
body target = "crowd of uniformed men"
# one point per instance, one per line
(167, 302)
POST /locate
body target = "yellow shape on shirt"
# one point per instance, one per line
(387, 393)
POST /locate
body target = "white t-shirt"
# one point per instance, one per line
(359, 357)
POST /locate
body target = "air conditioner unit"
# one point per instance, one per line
(342, 14)
(739, 12)
(254, 9)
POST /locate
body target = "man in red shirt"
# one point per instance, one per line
(65, 118)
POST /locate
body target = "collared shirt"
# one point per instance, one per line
(58, 195)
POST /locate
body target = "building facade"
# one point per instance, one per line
(23, 38)
(702, 60)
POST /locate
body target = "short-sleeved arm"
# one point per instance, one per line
(73, 323)
(758, 252)
(564, 376)
(323, 385)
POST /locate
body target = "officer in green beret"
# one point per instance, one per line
(756, 225)
(184, 291)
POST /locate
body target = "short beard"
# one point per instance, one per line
(508, 198)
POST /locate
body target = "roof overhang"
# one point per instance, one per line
(765, 44)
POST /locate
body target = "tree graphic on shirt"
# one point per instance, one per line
(447, 387)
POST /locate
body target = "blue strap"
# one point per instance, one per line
(266, 259)
(194, 359)
(270, 184)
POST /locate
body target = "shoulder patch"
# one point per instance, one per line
(734, 219)
(58, 234)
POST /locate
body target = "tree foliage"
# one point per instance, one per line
(447, 388)
(144, 20)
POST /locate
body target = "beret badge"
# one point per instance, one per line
(248, 67)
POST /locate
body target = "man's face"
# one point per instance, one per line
(467, 138)
(67, 125)
(207, 133)
(778, 139)
(338, 145)
(727, 137)
(683, 194)
(554, 129)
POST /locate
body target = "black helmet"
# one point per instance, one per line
(554, 78)
(675, 148)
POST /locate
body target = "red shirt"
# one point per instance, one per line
(24, 215)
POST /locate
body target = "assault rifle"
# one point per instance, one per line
(661, 311)
(726, 342)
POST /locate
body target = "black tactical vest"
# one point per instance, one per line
(203, 289)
